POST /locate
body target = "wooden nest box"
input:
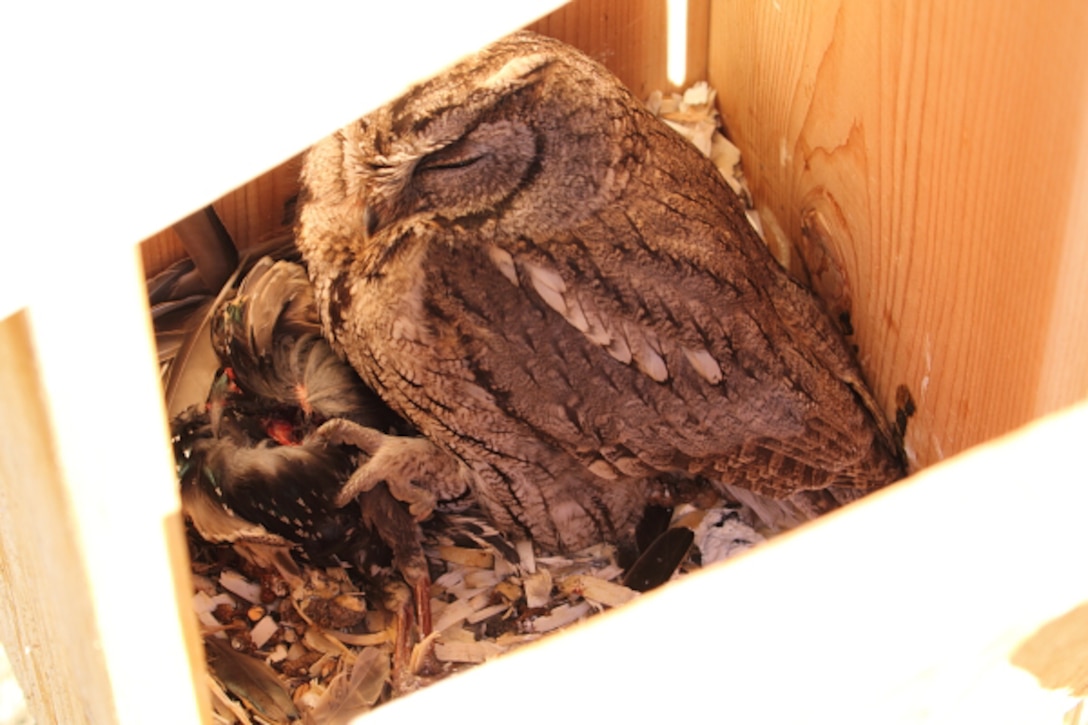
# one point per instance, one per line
(928, 160)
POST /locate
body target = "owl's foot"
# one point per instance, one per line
(415, 470)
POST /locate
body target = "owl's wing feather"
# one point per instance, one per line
(678, 386)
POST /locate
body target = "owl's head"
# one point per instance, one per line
(528, 133)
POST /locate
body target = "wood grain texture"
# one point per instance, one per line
(264, 208)
(92, 550)
(628, 38)
(48, 627)
(253, 213)
(930, 151)
(1057, 654)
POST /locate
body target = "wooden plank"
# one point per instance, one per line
(951, 597)
(629, 38)
(938, 152)
(48, 627)
(698, 40)
(93, 552)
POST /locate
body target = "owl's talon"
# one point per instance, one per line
(416, 472)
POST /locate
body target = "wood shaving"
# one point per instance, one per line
(235, 583)
(600, 591)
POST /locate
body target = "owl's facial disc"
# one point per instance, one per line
(483, 168)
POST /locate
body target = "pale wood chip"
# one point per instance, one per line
(278, 654)
(514, 639)
(688, 516)
(452, 579)
(468, 652)
(526, 556)
(319, 640)
(205, 607)
(235, 583)
(554, 562)
(509, 588)
(308, 695)
(597, 590)
(456, 612)
(561, 616)
(211, 623)
(456, 634)
(486, 612)
(437, 607)
(478, 558)
(538, 589)
(362, 640)
(262, 631)
(467, 593)
(203, 603)
(482, 578)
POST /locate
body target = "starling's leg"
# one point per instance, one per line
(387, 516)
(421, 590)
(397, 600)
(416, 471)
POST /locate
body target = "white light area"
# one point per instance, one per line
(676, 24)
(124, 117)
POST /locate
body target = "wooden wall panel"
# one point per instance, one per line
(629, 38)
(253, 213)
(94, 574)
(43, 583)
(937, 152)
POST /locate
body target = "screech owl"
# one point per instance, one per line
(558, 290)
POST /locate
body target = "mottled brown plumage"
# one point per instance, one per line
(558, 290)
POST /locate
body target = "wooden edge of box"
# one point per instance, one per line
(93, 555)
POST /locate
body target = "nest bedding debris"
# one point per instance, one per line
(290, 640)
(334, 643)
